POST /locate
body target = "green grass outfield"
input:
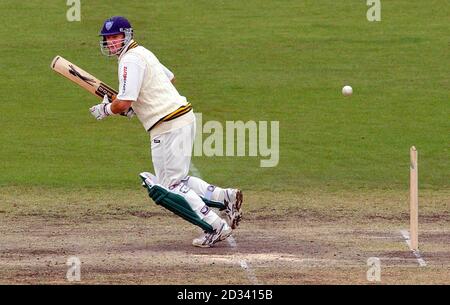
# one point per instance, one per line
(254, 60)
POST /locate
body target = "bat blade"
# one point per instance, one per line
(82, 78)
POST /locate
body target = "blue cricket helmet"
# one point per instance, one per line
(113, 26)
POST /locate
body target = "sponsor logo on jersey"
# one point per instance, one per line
(124, 78)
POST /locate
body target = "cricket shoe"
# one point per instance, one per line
(232, 212)
(207, 240)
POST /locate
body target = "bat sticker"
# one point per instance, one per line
(105, 89)
(84, 78)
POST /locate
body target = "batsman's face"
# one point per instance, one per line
(115, 42)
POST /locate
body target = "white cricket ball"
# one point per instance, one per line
(347, 91)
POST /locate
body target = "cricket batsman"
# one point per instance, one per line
(146, 90)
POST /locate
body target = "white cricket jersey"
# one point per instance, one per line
(146, 82)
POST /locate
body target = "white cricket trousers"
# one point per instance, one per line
(171, 154)
(171, 157)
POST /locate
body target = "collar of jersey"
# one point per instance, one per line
(132, 44)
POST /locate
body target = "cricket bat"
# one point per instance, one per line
(82, 78)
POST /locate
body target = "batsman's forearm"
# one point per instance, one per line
(119, 106)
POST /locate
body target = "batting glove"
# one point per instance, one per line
(102, 110)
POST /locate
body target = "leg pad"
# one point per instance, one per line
(176, 204)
